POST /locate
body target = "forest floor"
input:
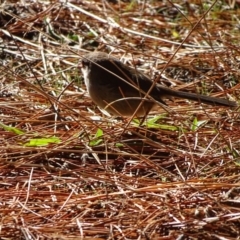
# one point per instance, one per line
(70, 171)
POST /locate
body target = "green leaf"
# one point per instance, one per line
(11, 129)
(131, 5)
(196, 124)
(119, 145)
(152, 123)
(163, 127)
(40, 142)
(97, 139)
(175, 34)
(99, 133)
(73, 37)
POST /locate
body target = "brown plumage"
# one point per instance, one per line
(115, 86)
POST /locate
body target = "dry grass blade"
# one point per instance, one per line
(68, 171)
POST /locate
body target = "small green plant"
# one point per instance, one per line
(153, 123)
(15, 130)
(131, 5)
(41, 142)
(97, 139)
(196, 124)
(73, 37)
(33, 142)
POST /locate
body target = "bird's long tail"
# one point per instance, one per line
(198, 97)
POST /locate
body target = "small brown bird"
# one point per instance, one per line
(120, 89)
